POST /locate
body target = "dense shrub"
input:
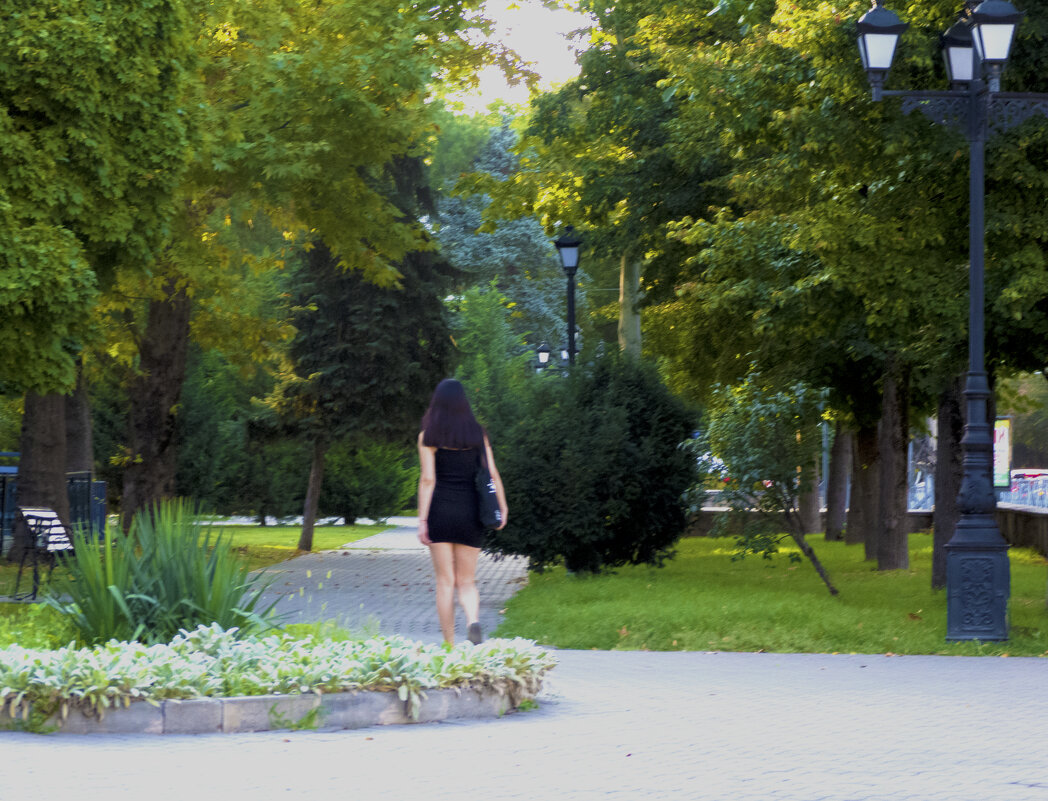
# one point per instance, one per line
(168, 574)
(595, 471)
(375, 480)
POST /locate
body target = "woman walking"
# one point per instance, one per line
(451, 444)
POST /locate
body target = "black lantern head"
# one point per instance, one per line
(958, 52)
(993, 29)
(568, 248)
(879, 31)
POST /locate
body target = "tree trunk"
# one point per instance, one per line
(949, 467)
(862, 512)
(80, 457)
(42, 463)
(807, 550)
(893, 551)
(153, 399)
(808, 506)
(316, 479)
(837, 483)
(629, 306)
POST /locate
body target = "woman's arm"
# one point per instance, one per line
(427, 459)
(500, 491)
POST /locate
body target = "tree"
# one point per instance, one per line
(370, 479)
(366, 357)
(303, 108)
(516, 253)
(786, 105)
(595, 154)
(873, 194)
(764, 436)
(89, 171)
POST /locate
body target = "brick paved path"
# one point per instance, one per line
(385, 584)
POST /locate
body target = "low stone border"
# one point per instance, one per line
(276, 712)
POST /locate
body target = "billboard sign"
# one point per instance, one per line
(1002, 453)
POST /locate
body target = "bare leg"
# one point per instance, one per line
(443, 557)
(466, 581)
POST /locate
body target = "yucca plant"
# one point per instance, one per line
(169, 573)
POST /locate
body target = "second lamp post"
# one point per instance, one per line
(568, 248)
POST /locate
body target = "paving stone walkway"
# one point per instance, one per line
(384, 584)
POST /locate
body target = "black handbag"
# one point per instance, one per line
(487, 497)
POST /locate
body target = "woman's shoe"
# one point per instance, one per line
(474, 635)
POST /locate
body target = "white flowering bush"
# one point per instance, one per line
(214, 662)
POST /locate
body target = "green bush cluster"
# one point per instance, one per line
(594, 469)
(374, 480)
(168, 574)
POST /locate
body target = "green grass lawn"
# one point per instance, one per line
(701, 600)
(262, 546)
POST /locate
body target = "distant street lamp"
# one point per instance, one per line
(568, 248)
(975, 51)
(542, 352)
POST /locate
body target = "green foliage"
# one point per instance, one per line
(10, 423)
(494, 363)
(763, 434)
(838, 203)
(460, 139)
(768, 440)
(703, 601)
(366, 358)
(88, 167)
(515, 253)
(232, 457)
(1026, 398)
(34, 626)
(595, 471)
(372, 479)
(213, 662)
(169, 573)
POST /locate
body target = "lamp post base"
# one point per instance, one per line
(977, 581)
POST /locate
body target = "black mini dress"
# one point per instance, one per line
(453, 513)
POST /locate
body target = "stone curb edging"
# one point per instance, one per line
(352, 710)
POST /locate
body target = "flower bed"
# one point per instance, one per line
(211, 662)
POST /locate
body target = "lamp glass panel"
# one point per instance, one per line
(543, 356)
(878, 50)
(994, 41)
(960, 61)
(569, 256)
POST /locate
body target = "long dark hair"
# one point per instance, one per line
(449, 420)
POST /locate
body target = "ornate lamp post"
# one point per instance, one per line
(975, 50)
(568, 248)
